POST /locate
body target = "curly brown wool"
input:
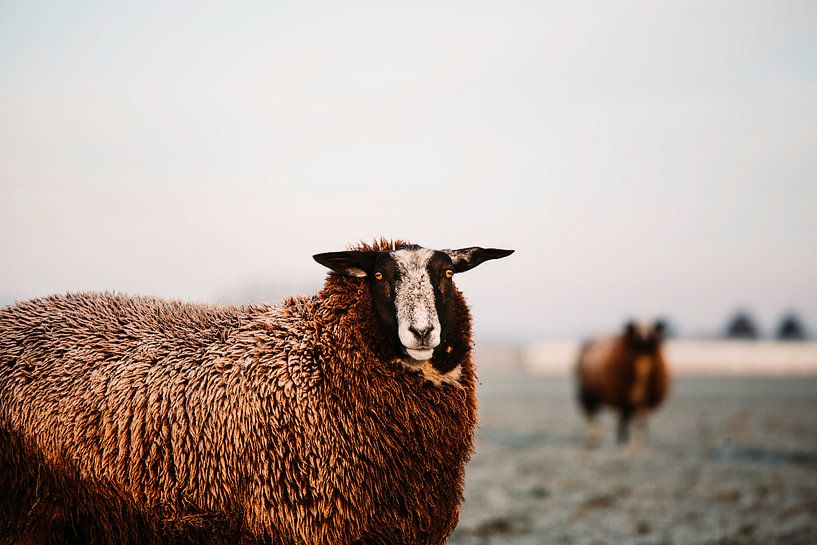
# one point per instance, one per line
(137, 420)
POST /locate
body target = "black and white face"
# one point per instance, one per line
(412, 290)
(417, 279)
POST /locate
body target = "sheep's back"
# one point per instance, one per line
(596, 358)
(605, 370)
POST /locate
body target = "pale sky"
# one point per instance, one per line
(643, 158)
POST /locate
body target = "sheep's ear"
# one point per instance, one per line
(630, 329)
(660, 328)
(351, 263)
(467, 258)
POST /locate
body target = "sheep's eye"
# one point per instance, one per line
(378, 276)
(449, 273)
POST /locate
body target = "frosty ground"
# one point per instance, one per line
(729, 460)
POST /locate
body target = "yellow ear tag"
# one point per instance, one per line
(449, 273)
(378, 276)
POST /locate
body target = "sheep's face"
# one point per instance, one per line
(413, 292)
(644, 338)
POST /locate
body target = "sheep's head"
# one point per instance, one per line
(417, 305)
(644, 337)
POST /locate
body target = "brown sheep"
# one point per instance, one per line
(626, 373)
(342, 418)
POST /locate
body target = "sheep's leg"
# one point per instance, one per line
(640, 429)
(43, 523)
(591, 405)
(30, 514)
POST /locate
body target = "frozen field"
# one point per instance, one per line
(729, 460)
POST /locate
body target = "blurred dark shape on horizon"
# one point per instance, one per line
(791, 328)
(741, 326)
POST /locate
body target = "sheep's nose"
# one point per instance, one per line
(421, 332)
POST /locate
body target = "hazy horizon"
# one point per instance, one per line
(642, 159)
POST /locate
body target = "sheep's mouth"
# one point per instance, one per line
(418, 354)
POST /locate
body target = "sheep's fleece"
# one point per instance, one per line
(137, 420)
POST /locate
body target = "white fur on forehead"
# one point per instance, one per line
(463, 254)
(644, 329)
(408, 258)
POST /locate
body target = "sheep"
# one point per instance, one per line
(626, 372)
(345, 418)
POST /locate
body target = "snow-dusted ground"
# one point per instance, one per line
(729, 460)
